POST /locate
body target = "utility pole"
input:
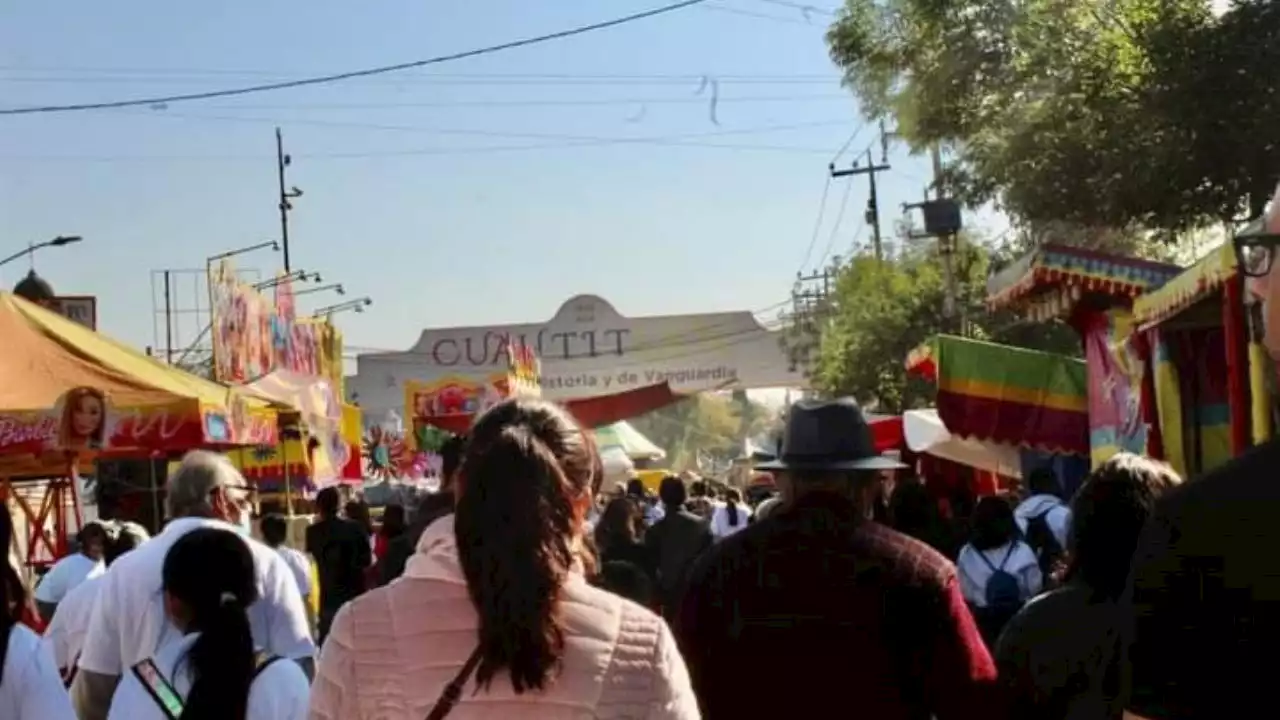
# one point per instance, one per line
(873, 201)
(168, 320)
(947, 242)
(809, 299)
(283, 161)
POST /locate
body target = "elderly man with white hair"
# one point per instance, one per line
(129, 624)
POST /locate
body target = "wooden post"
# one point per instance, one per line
(1235, 337)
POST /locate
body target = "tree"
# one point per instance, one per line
(708, 425)
(1099, 115)
(884, 309)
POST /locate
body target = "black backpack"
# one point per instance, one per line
(1042, 540)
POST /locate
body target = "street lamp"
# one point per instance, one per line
(336, 287)
(299, 275)
(31, 248)
(357, 305)
(275, 247)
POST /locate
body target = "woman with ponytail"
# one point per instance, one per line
(30, 685)
(731, 517)
(213, 672)
(494, 615)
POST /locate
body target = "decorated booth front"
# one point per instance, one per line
(262, 345)
(1172, 370)
(71, 396)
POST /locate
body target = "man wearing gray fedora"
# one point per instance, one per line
(842, 615)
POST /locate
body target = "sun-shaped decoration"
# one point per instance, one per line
(377, 455)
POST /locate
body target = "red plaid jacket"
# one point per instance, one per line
(815, 612)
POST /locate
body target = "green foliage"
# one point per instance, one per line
(711, 424)
(882, 310)
(1116, 114)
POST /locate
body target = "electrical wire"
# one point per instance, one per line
(568, 102)
(817, 225)
(367, 72)
(835, 227)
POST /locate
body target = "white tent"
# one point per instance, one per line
(926, 433)
(632, 443)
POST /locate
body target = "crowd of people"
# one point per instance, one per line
(525, 589)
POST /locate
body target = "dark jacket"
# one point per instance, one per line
(343, 554)
(842, 612)
(674, 543)
(1058, 658)
(401, 548)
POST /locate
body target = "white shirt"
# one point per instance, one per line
(720, 526)
(70, 623)
(129, 624)
(32, 688)
(974, 572)
(1058, 518)
(300, 566)
(280, 692)
(65, 575)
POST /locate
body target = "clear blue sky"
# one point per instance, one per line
(413, 194)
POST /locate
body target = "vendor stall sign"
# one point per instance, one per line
(85, 421)
(254, 335)
(454, 398)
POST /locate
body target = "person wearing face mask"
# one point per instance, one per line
(1203, 587)
(129, 624)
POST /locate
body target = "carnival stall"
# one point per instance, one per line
(261, 345)
(69, 396)
(629, 441)
(1095, 293)
(1207, 394)
(1000, 410)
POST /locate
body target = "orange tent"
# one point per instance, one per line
(150, 406)
(56, 375)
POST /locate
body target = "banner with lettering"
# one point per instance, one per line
(1116, 371)
(254, 335)
(84, 420)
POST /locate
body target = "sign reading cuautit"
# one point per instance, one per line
(589, 349)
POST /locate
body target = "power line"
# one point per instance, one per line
(566, 102)
(757, 15)
(835, 228)
(560, 141)
(817, 224)
(483, 133)
(536, 79)
(338, 77)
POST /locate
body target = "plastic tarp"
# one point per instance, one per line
(926, 433)
(633, 444)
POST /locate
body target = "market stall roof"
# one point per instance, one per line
(632, 442)
(37, 366)
(1004, 394)
(1048, 281)
(1198, 282)
(926, 433)
(51, 334)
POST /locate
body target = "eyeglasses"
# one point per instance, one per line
(1256, 253)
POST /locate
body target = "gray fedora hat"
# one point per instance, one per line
(828, 435)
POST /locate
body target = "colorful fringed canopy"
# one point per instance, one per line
(1005, 394)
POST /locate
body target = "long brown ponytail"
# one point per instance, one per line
(526, 468)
